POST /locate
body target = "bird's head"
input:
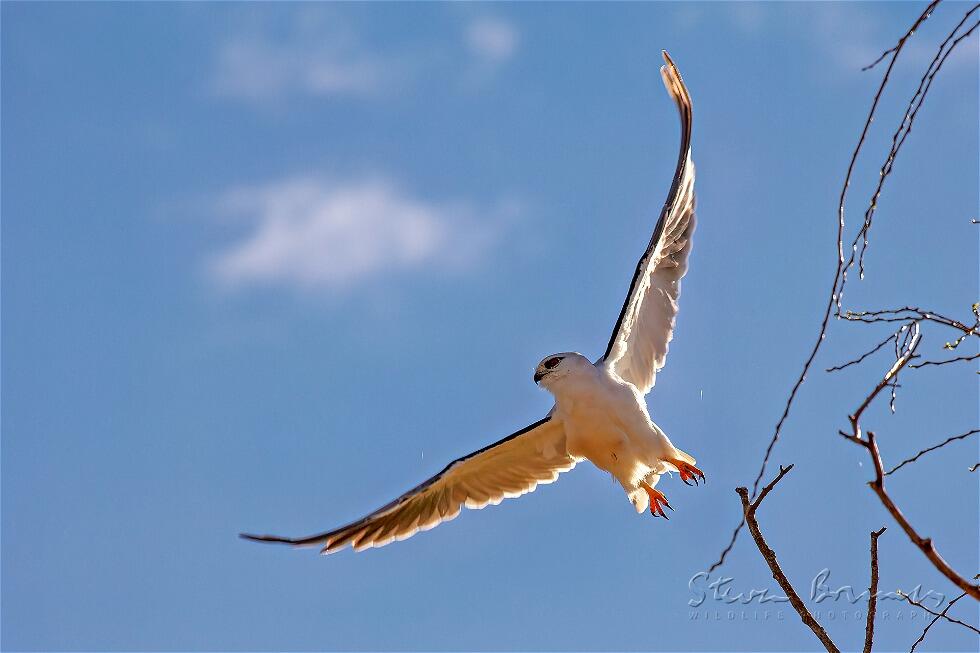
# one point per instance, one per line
(557, 367)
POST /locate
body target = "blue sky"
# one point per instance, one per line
(267, 266)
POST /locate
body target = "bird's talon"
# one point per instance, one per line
(657, 502)
(688, 472)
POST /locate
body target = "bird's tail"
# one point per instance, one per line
(686, 457)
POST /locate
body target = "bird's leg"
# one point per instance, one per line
(657, 501)
(687, 471)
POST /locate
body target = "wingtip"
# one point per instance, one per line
(267, 538)
(253, 538)
(674, 83)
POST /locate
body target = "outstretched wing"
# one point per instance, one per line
(638, 346)
(509, 468)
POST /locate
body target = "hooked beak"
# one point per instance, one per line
(538, 375)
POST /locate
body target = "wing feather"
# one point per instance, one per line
(637, 349)
(508, 468)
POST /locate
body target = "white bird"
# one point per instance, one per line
(599, 414)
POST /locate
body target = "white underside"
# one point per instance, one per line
(606, 422)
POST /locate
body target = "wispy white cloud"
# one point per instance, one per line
(316, 233)
(747, 17)
(319, 53)
(843, 32)
(492, 39)
(846, 34)
(259, 70)
(853, 36)
(315, 53)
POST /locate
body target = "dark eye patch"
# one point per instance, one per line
(552, 363)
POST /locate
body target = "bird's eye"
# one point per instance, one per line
(552, 363)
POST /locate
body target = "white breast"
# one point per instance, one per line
(604, 423)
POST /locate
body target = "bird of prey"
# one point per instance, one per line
(599, 414)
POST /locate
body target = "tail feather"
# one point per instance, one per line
(686, 457)
(639, 499)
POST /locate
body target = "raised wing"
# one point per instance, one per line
(638, 346)
(509, 468)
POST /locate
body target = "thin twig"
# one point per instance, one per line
(906, 314)
(869, 627)
(938, 614)
(898, 140)
(945, 362)
(840, 275)
(932, 448)
(879, 59)
(837, 368)
(934, 620)
(748, 513)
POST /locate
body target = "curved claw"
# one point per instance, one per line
(688, 472)
(657, 502)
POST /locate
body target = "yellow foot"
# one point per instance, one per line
(657, 501)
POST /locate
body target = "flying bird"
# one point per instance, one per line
(599, 415)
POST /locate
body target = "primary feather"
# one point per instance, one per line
(509, 468)
(637, 349)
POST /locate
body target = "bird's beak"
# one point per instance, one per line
(538, 375)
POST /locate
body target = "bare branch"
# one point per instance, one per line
(934, 620)
(878, 485)
(885, 381)
(932, 448)
(783, 471)
(938, 614)
(924, 543)
(907, 314)
(748, 513)
(953, 39)
(834, 298)
(869, 627)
